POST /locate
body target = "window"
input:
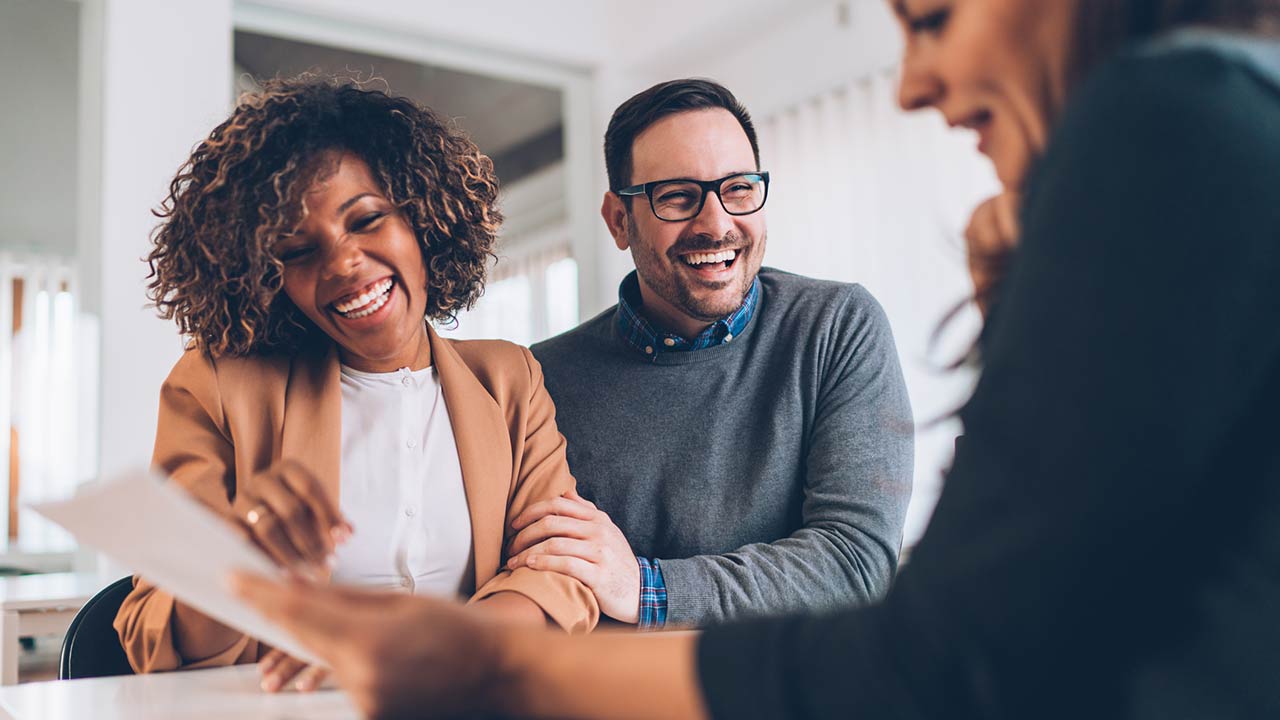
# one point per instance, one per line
(48, 371)
(527, 299)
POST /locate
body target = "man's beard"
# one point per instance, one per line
(673, 286)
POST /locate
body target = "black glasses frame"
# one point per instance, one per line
(708, 186)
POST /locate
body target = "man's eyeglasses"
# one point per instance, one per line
(682, 199)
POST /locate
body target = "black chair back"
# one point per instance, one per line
(92, 646)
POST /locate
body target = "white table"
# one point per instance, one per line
(230, 692)
(32, 605)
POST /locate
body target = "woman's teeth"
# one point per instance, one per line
(367, 302)
(724, 256)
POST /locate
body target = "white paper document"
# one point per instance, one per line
(152, 526)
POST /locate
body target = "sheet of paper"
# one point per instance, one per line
(154, 527)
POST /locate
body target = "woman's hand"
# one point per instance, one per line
(277, 668)
(402, 655)
(286, 512)
(396, 655)
(992, 234)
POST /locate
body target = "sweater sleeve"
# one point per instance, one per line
(1127, 377)
(857, 484)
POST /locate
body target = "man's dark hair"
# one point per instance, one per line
(674, 96)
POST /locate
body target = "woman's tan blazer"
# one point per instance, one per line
(222, 420)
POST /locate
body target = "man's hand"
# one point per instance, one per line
(992, 234)
(569, 535)
(396, 655)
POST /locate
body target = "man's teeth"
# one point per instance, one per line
(707, 258)
(367, 302)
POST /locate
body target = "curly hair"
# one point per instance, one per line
(214, 268)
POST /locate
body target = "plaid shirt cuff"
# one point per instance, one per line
(653, 595)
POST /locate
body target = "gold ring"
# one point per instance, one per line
(256, 514)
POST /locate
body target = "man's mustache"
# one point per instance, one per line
(706, 243)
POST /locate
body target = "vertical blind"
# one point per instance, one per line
(48, 394)
(862, 192)
(531, 294)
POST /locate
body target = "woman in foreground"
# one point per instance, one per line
(305, 247)
(1108, 539)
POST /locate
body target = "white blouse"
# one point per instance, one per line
(401, 487)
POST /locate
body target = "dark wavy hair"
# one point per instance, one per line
(214, 268)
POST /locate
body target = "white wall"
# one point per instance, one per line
(164, 73)
(773, 63)
(39, 51)
(578, 33)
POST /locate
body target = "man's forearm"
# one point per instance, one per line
(812, 570)
(612, 675)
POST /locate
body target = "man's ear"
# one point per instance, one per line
(614, 212)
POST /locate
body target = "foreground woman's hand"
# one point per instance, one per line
(408, 656)
(569, 535)
(396, 655)
(992, 234)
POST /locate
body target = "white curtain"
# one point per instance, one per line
(531, 294)
(48, 391)
(862, 192)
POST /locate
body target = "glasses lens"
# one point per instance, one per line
(742, 194)
(676, 200)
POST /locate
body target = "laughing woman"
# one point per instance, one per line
(306, 246)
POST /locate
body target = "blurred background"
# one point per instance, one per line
(102, 100)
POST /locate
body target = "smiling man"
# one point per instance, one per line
(741, 437)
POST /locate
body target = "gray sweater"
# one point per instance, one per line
(766, 475)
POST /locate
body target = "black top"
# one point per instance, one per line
(1108, 541)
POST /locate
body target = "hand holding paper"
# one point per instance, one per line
(135, 519)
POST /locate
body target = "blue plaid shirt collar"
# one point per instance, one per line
(644, 337)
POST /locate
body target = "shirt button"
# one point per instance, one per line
(669, 342)
(412, 443)
(410, 511)
(405, 582)
(648, 349)
(406, 381)
(728, 337)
